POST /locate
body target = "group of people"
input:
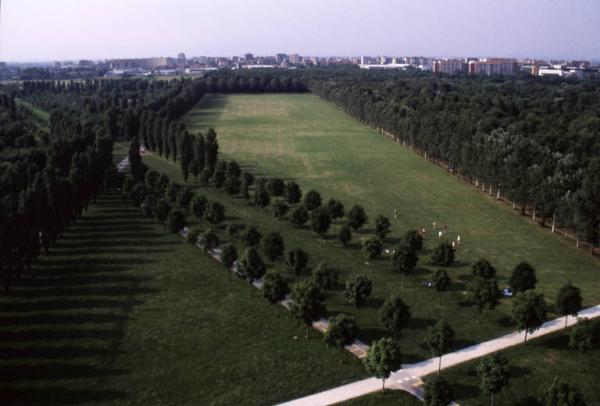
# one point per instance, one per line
(440, 231)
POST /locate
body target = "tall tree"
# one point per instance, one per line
(342, 331)
(528, 311)
(383, 358)
(307, 305)
(494, 373)
(568, 301)
(439, 340)
(395, 315)
(274, 288)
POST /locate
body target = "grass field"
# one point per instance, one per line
(301, 137)
(534, 365)
(122, 312)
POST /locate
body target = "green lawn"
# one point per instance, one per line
(534, 365)
(122, 312)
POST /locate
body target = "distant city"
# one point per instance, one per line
(197, 65)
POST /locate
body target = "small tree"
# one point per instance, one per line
(312, 200)
(382, 359)
(441, 280)
(358, 291)
(233, 169)
(320, 221)
(336, 208)
(228, 255)
(299, 216)
(275, 187)
(437, 391)
(372, 247)
(356, 217)
(345, 235)
(403, 260)
(413, 240)
(297, 261)
(522, 277)
(261, 195)
(199, 205)
(494, 373)
(218, 178)
(251, 267)
(581, 338)
(484, 293)
(274, 289)
(307, 304)
(528, 311)
(293, 194)
(382, 226)
(568, 301)
(252, 237)
(326, 277)
(280, 209)
(176, 220)
(561, 393)
(483, 269)
(439, 340)
(185, 196)
(342, 331)
(443, 255)
(215, 212)
(395, 315)
(273, 246)
(210, 241)
(162, 210)
(232, 185)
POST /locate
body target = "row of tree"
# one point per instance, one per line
(535, 141)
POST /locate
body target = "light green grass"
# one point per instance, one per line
(301, 137)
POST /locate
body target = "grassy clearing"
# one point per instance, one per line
(121, 312)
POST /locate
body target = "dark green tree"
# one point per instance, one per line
(372, 247)
(176, 220)
(312, 200)
(413, 240)
(358, 291)
(273, 246)
(403, 260)
(522, 277)
(293, 194)
(345, 235)
(307, 305)
(581, 338)
(482, 268)
(299, 216)
(342, 331)
(437, 391)
(215, 212)
(494, 373)
(336, 209)
(443, 254)
(441, 280)
(395, 315)
(274, 289)
(559, 393)
(439, 340)
(382, 226)
(484, 294)
(356, 217)
(320, 221)
(252, 237)
(326, 277)
(528, 311)
(568, 301)
(382, 359)
(251, 267)
(297, 261)
(199, 206)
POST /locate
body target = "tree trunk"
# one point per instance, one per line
(492, 399)
(524, 341)
(383, 385)
(566, 320)
(306, 336)
(440, 365)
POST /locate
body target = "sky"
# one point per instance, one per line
(48, 30)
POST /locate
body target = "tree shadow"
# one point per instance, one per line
(57, 395)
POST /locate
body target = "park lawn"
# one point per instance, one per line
(122, 312)
(301, 137)
(534, 365)
(426, 304)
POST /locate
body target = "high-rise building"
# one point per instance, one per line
(494, 66)
(449, 66)
(294, 58)
(248, 57)
(181, 59)
(281, 58)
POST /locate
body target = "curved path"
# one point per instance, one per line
(409, 377)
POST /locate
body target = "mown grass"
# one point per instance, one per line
(122, 312)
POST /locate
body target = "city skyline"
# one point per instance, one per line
(543, 29)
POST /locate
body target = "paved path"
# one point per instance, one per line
(409, 377)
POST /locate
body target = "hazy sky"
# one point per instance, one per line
(35, 30)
